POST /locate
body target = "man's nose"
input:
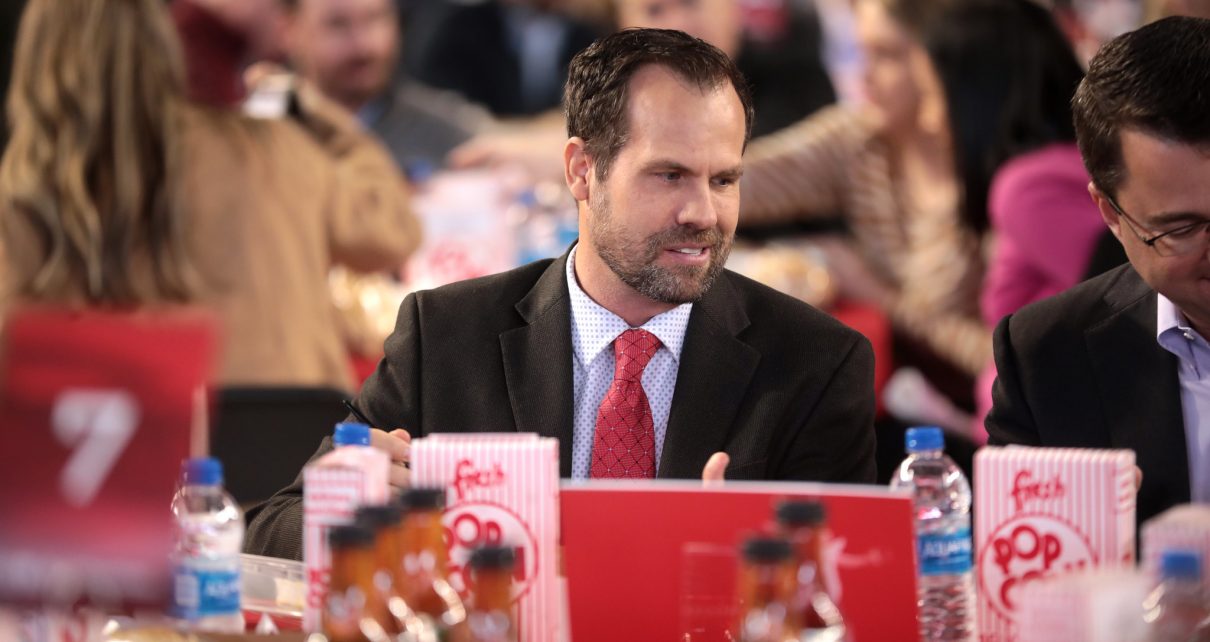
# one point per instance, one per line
(699, 209)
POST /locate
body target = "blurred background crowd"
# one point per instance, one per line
(297, 166)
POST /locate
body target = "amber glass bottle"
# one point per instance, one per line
(426, 588)
(490, 611)
(766, 587)
(351, 609)
(804, 524)
(386, 522)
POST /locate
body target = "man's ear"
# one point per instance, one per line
(1108, 213)
(576, 167)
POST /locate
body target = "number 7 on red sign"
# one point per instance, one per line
(97, 425)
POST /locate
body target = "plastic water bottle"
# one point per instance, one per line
(943, 536)
(1176, 609)
(210, 533)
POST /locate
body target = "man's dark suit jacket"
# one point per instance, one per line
(784, 389)
(1083, 369)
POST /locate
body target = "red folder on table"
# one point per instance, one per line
(657, 560)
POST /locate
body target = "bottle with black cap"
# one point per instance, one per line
(386, 522)
(766, 587)
(425, 563)
(351, 612)
(804, 523)
(490, 613)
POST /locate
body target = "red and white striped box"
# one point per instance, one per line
(503, 489)
(1185, 527)
(1043, 512)
(334, 487)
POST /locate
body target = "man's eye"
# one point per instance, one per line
(1188, 230)
(670, 176)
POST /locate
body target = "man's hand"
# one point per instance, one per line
(397, 444)
(712, 474)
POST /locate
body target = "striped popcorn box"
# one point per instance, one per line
(1044, 512)
(334, 486)
(1185, 527)
(1104, 605)
(503, 489)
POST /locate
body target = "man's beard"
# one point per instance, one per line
(348, 85)
(634, 260)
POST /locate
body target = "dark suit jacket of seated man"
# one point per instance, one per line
(1121, 361)
(785, 390)
(1083, 370)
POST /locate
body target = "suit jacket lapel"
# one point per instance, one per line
(1140, 388)
(537, 362)
(712, 379)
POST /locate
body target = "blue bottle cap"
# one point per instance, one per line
(351, 434)
(1181, 564)
(924, 438)
(202, 471)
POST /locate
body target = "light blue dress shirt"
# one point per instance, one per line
(1193, 354)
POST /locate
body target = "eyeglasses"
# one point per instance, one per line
(1182, 240)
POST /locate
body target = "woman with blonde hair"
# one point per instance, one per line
(116, 192)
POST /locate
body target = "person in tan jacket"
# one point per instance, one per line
(116, 192)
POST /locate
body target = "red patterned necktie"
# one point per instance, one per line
(624, 443)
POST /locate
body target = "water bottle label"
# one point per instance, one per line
(945, 553)
(202, 591)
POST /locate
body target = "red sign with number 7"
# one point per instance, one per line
(96, 410)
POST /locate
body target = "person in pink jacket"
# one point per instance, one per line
(1044, 225)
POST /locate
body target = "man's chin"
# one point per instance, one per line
(357, 93)
(676, 288)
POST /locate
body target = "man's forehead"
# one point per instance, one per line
(665, 108)
(1145, 150)
(1163, 174)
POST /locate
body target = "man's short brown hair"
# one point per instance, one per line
(597, 92)
(1156, 80)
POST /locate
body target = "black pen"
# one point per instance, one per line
(357, 413)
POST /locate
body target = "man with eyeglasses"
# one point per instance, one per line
(1122, 361)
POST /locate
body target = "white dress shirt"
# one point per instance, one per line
(593, 329)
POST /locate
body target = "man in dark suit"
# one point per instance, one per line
(1121, 361)
(637, 350)
(350, 51)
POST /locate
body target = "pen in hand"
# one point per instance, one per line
(357, 413)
